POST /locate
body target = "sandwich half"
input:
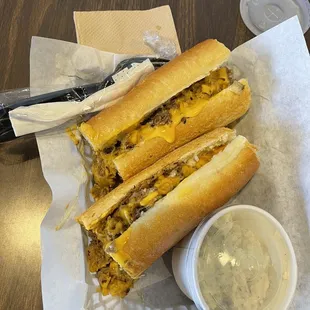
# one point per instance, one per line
(189, 96)
(142, 218)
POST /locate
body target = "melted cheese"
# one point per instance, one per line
(149, 199)
(125, 213)
(165, 131)
(165, 185)
(188, 170)
(134, 136)
(190, 104)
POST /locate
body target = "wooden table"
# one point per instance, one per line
(25, 196)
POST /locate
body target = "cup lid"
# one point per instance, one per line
(261, 15)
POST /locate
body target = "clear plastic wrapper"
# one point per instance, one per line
(10, 96)
(162, 47)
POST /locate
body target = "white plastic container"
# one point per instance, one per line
(268, 230)
(261, 15)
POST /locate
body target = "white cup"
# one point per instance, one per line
(266, 228)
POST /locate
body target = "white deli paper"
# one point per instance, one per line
(56, 65)
(277, 65)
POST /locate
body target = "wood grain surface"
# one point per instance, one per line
(25, 196)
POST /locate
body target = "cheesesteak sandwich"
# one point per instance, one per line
(191, 95)
(142, 218)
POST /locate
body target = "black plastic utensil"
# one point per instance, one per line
(71, 94)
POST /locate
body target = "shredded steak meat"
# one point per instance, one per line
(161, 117)
(96, 256)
